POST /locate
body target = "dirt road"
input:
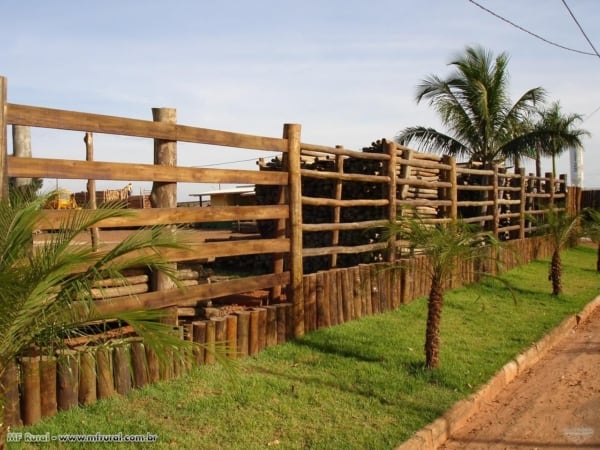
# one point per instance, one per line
(554, 405)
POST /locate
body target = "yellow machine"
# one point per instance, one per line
(63, 199)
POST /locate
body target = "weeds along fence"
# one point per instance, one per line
(320, 211)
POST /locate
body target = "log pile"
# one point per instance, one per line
(415, 188)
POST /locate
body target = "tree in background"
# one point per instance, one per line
(443, 244)
(556, 132)
(474, 105)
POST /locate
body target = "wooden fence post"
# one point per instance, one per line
(562, 189)
(522, 202)
(280, 232)
(91, 187)
(164, 194)
(3, 141)
(452, 177)
(392, 189)
(337, 210)
(495, 206)
(292, 133)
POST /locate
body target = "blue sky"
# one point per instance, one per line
(345, 70)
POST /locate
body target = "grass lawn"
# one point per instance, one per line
(360, 385)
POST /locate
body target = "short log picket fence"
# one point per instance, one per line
(40, 386)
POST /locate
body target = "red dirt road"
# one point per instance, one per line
(554, 405)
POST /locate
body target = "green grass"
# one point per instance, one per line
(361, 385)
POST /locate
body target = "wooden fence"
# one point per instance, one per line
(42, 385)
(393, 181)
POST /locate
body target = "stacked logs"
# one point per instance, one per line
(325, 188)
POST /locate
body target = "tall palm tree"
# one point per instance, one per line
(474, 105)
(557, 132)
(46, 289)
(443, 244)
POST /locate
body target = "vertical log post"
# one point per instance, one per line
(209, 355)
(522, 202)
(104, 370)
(91, 187)
(337, 210)
(48, 385)
(292, 133)
(392, 189)
(122, 368)
(199, 337)
(31, 396)
(453, 194)
(164, 194)
(562, 189)
(495, 198)
(87, 378)
(253, 333)
(243, 331)
(139, 364)
(220, 331)
(67, 380)
(3, 141)
(9, 383)
(231, 331)
(280, 232)
(153, 365)
(271, 326)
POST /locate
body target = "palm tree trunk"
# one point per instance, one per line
(556, 273)
(434, 316)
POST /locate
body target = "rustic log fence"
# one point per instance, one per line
(43, 385)
(341, 197)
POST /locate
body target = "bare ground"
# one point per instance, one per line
(554, 405)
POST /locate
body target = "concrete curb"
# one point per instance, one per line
(440, 430)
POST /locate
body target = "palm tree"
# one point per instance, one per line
(560, 228)
(46, 289)
(591, 227)
(557, 132)
(443, 244)
(474, 105)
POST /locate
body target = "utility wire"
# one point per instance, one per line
(581, 28)
(239, 161)
(533, 34)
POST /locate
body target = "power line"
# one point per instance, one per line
(591, 114)
(239, 161)
(547, 41)
(581, 28)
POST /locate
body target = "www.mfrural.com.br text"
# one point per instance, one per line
(65, 438)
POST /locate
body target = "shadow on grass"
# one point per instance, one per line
(333, 348)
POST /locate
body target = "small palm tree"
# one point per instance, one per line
(560, 228)
(46, 289)
(591, 227)
(443, 244)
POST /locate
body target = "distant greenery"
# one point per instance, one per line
(355, 386)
